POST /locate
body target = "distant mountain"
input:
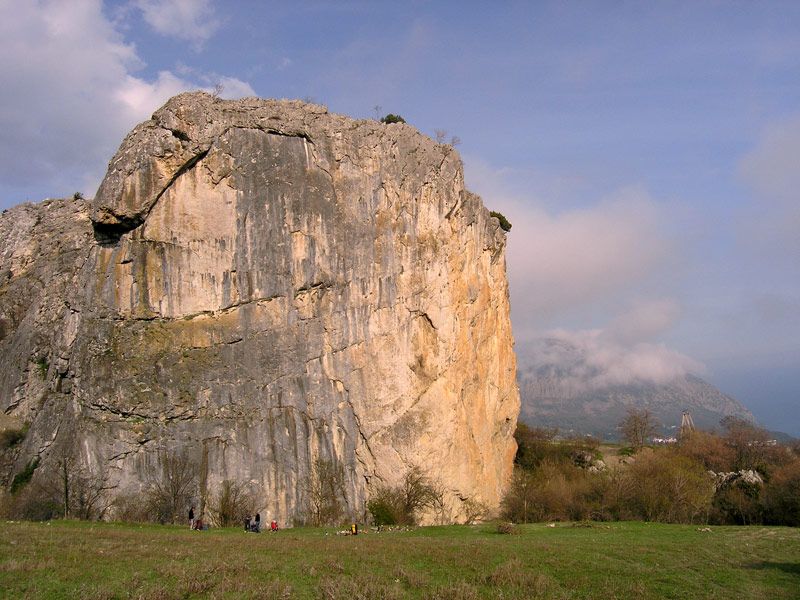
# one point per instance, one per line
(561, 385)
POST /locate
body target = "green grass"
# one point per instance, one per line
(66, 559)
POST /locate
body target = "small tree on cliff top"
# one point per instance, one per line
(390, 118)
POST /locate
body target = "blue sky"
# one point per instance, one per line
(647, 154)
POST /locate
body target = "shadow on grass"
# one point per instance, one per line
(786, 567)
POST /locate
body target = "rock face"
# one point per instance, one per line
(558, 387)
(261, 284)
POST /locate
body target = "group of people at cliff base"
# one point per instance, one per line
(196, 524)
(254, 525)
(251, 524)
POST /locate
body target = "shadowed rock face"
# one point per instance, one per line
(260, 284)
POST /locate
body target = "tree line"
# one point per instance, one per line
(736, 476)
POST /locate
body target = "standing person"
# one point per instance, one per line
(247, 523)
(258, 523)
(191, 518)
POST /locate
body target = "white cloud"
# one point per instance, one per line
(560, 260)
(70, 93)
(580, 255)
(140, 97)
(234, 88)
(589, 260)
(191, 20)
(592, 359)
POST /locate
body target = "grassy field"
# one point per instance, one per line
(614, 560)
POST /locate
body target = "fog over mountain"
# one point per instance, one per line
(583, 383)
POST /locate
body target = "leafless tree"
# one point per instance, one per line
(418, 492)
(324, 490)
(750, 443)
(377, 110)
(440, 135)
(474, 511)
(519, 503)
(172, 486)
(440, 506)
(77, 490)
(637, 427)
(233, 503)
(455, 141)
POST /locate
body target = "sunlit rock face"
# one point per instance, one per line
(260, 284)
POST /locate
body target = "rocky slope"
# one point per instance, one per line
(259, 284)
(557, 390)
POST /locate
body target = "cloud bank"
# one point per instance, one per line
(560, 260)
(591, 260)
(622, 353)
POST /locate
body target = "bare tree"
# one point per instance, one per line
(637, 427)
(440, 135)
(474, 510)
(418, 492)
(324, 490)
(172, 486)
(750, 443)
(234, 502)
(439, 504)
(76, 489)
(455, 141)
(519, 503)
(377, 110)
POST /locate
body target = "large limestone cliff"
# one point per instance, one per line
(260, 284)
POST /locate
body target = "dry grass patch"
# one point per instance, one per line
(358, 588)
(460, 590)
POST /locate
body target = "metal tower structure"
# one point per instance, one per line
(687, 424)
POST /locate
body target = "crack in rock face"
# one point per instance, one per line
(259, 286)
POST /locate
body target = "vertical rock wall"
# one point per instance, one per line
(261, 284)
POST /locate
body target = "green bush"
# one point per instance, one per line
(390, 118)
(42, 365)
(538, 444)
(399, 505)
(782, 497)
(505, 224)
(554, 491)
(506, 527)
(384, 509)
(22, 478)
(11, 437)
(31, 505)
(667, 487)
